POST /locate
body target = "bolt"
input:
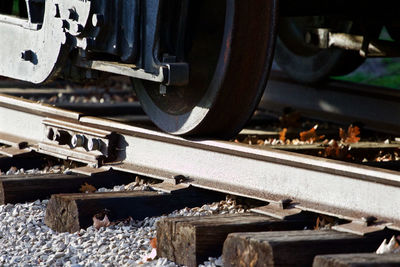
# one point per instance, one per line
(73, 15)
(27, 55)
(368, 220)
(22, 145)
(179, 178)
(93, 144)
(97, 20)
(65, 24)
(284, 203)
(77, 140)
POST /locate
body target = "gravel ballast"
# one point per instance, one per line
(26, 241)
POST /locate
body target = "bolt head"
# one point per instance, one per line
(93, 144)
(65, 24)
(77, 140)
(73, 15)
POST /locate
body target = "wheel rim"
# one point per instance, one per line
(220, 99)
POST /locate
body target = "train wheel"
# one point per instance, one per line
(308, 64)
(230, 54)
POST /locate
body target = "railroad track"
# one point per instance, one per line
(292, 189)
(335, 100)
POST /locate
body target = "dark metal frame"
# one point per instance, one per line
(124, 34)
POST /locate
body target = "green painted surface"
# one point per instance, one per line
(380, 72)
(377, 71)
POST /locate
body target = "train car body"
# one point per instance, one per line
(198, 67)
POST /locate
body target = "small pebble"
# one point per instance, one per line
(27, 241)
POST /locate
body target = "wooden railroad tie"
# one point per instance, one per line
(71, 212)
(357, 260)
(27, 187)
(191, 240)
(292, 248)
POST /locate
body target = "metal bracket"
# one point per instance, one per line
(363, 226)
(12, 151)
(77, 142)
(325, 38)
(167, 187)
(282, 209)
(90, 171)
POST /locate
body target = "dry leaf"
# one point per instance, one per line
(337, 151)
(153, 242)
(351, 135)
(105, 222)
(282, 134)
(87, 188)
(311, 135)
(324, 222)
(260, 142)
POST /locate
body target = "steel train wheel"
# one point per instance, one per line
(307, 64)
(230, 59)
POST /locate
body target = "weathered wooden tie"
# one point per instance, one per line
(71, 212)
(22, 188)
(357, 260)
(292, 248)
(191, 240)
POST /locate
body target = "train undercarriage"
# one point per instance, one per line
(198, 67)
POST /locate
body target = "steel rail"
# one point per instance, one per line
(341, 189)
(338, 101)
